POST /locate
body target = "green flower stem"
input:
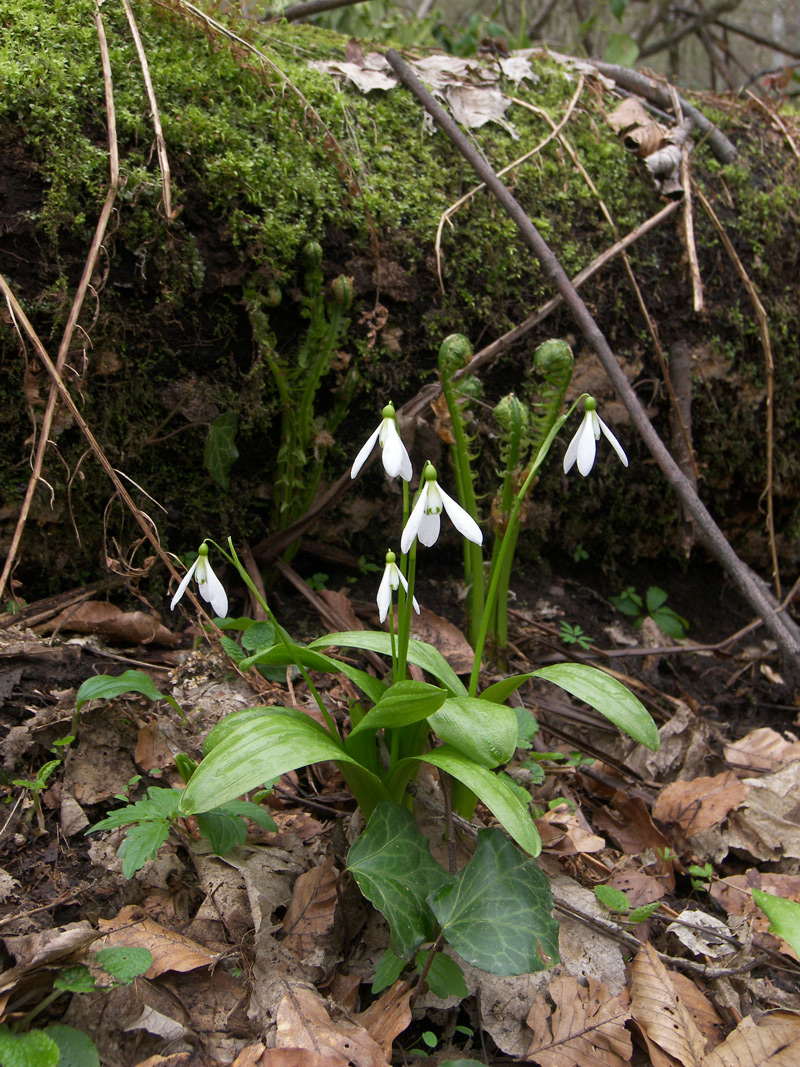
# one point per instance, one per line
(506, 550)
(281, 634)
(404, 628)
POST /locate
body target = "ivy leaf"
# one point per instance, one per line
(393, 866)
(220, 452)
(496, 912)
(389, 969)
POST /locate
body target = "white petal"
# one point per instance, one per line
(404, 584)
(414, 520)
(462, 520)
(587, 446)
(212, 590)
(429, 526)
(385, 593)
(609, 436)
(572, 451)
(182, 587)
(394, 451)
(363, 455)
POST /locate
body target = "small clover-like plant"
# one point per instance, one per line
(629, 602)
(575, 635)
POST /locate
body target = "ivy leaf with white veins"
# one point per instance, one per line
(496, 912)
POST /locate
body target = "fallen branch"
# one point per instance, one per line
(714, 539)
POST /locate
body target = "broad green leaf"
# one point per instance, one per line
(500, 691)
(74, 979)
(220, 452)
(445, 977)
(141, 843)
(34, 1049)
(654, 598)
(496, 912)
(608, 696)
(404, 703)
(259, 637)
(224, 832)
(419, 652)
(501, 801)
(613, 899)
(159, 805)
(670, 623)
(124, 962)
(232, 649)
(618, 8)
(76, 1047)
(621, 49)
(255, 812)
(783, 915)
(316, 661)
(259, 749)
(484, 731)
(106, 686)
(389, 969)
(393, 866)
(232, 723)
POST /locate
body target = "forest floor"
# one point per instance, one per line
(266, 955)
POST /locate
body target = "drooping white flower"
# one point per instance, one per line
(424, 522)
(392, 578)
(208, 584)
(583, 446)
(393, 452)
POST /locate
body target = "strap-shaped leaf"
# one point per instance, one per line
(316, 661)
(419, 652)
(258, 749)
(232, 723)
(404, 703)
(496, 912)
(483, 731)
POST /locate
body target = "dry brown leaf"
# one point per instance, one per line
(661, 1013)
(444, 635)
(762, 750)
(288, 1057)
(700, 804)
(769, 817)
(388, 1016)
(311, 915)
(587, 1026)
(571, 834)
(640, 888)
(302, 1021)
(112, 623)
(171, 951)
(631, 112)
(176, 1059)
(708, 1021)
(152, 749)
(629, 824)
(773, 1041)
(43, 948)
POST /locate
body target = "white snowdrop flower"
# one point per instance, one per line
(208, 584)
(424, 523)
(393, 452)
(392, 578)
(583, 446)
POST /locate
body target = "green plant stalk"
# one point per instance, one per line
(506, 547)
(498, 625)
(406, 607)
(473, 554)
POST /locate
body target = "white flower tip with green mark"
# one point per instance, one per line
(583, 446)
(394, 455)
(208, 584)
(424, 522)
(391, 580)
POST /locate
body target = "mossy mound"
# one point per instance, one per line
(266, 154)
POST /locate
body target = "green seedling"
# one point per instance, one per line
(630, 603)
(37, 787)
(617, 902)
(701, 877)
(574, 635)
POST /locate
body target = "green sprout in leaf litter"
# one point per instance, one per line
(574, 635)
(37, 787)
(629, 602)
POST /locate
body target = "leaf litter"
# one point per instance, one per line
(266, 954)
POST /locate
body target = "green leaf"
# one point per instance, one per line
(159, 805)
(34, 1049)
(496, 912)
(654, 598)
(507, 808)
(393, 866)
(613, 899)
(255, 812)
(670, 623)
(527, 726)
(232, 723)
(482, 730)
(104, 687)
(75, 1047)
(232, 649)
(224, 832)
(258, 749)
(419, 652)
(608, 696)
(124, 962)
(74, 979)
(316, 661)
(618, 8)
(220, 452)
(259, 636)
(638, 915)
(621, 49)
(141, 843)
(445, 977)
(783, 915)
(389, 969)
(401, 705)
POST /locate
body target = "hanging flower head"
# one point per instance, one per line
(424, 522)
(393, 452)
(208, 584)
(391, 580)
(583, 446)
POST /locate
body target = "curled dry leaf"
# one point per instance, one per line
(705, 936)
(587, 1026)
(388, 1016)
(700, 804)
(303, 1022)
(660, 1011)
(111, 623)
(762, 750)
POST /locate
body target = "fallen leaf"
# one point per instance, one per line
(292, 1057)
(770, 817)
(701, 803)
(155, 1022)
(171, 951)
(587, 1026)
(311, 915)
(388, 1016)
(302, 1021)
(112, 623)
(762, 750)
(444, 635)
(631, 112)
(573, 835)
(706, 936)
(660, 1012)
(773, 1041)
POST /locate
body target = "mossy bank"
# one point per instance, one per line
(189, 317)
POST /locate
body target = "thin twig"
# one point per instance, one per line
(310, 7)
(77, 303)
(711, 534)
